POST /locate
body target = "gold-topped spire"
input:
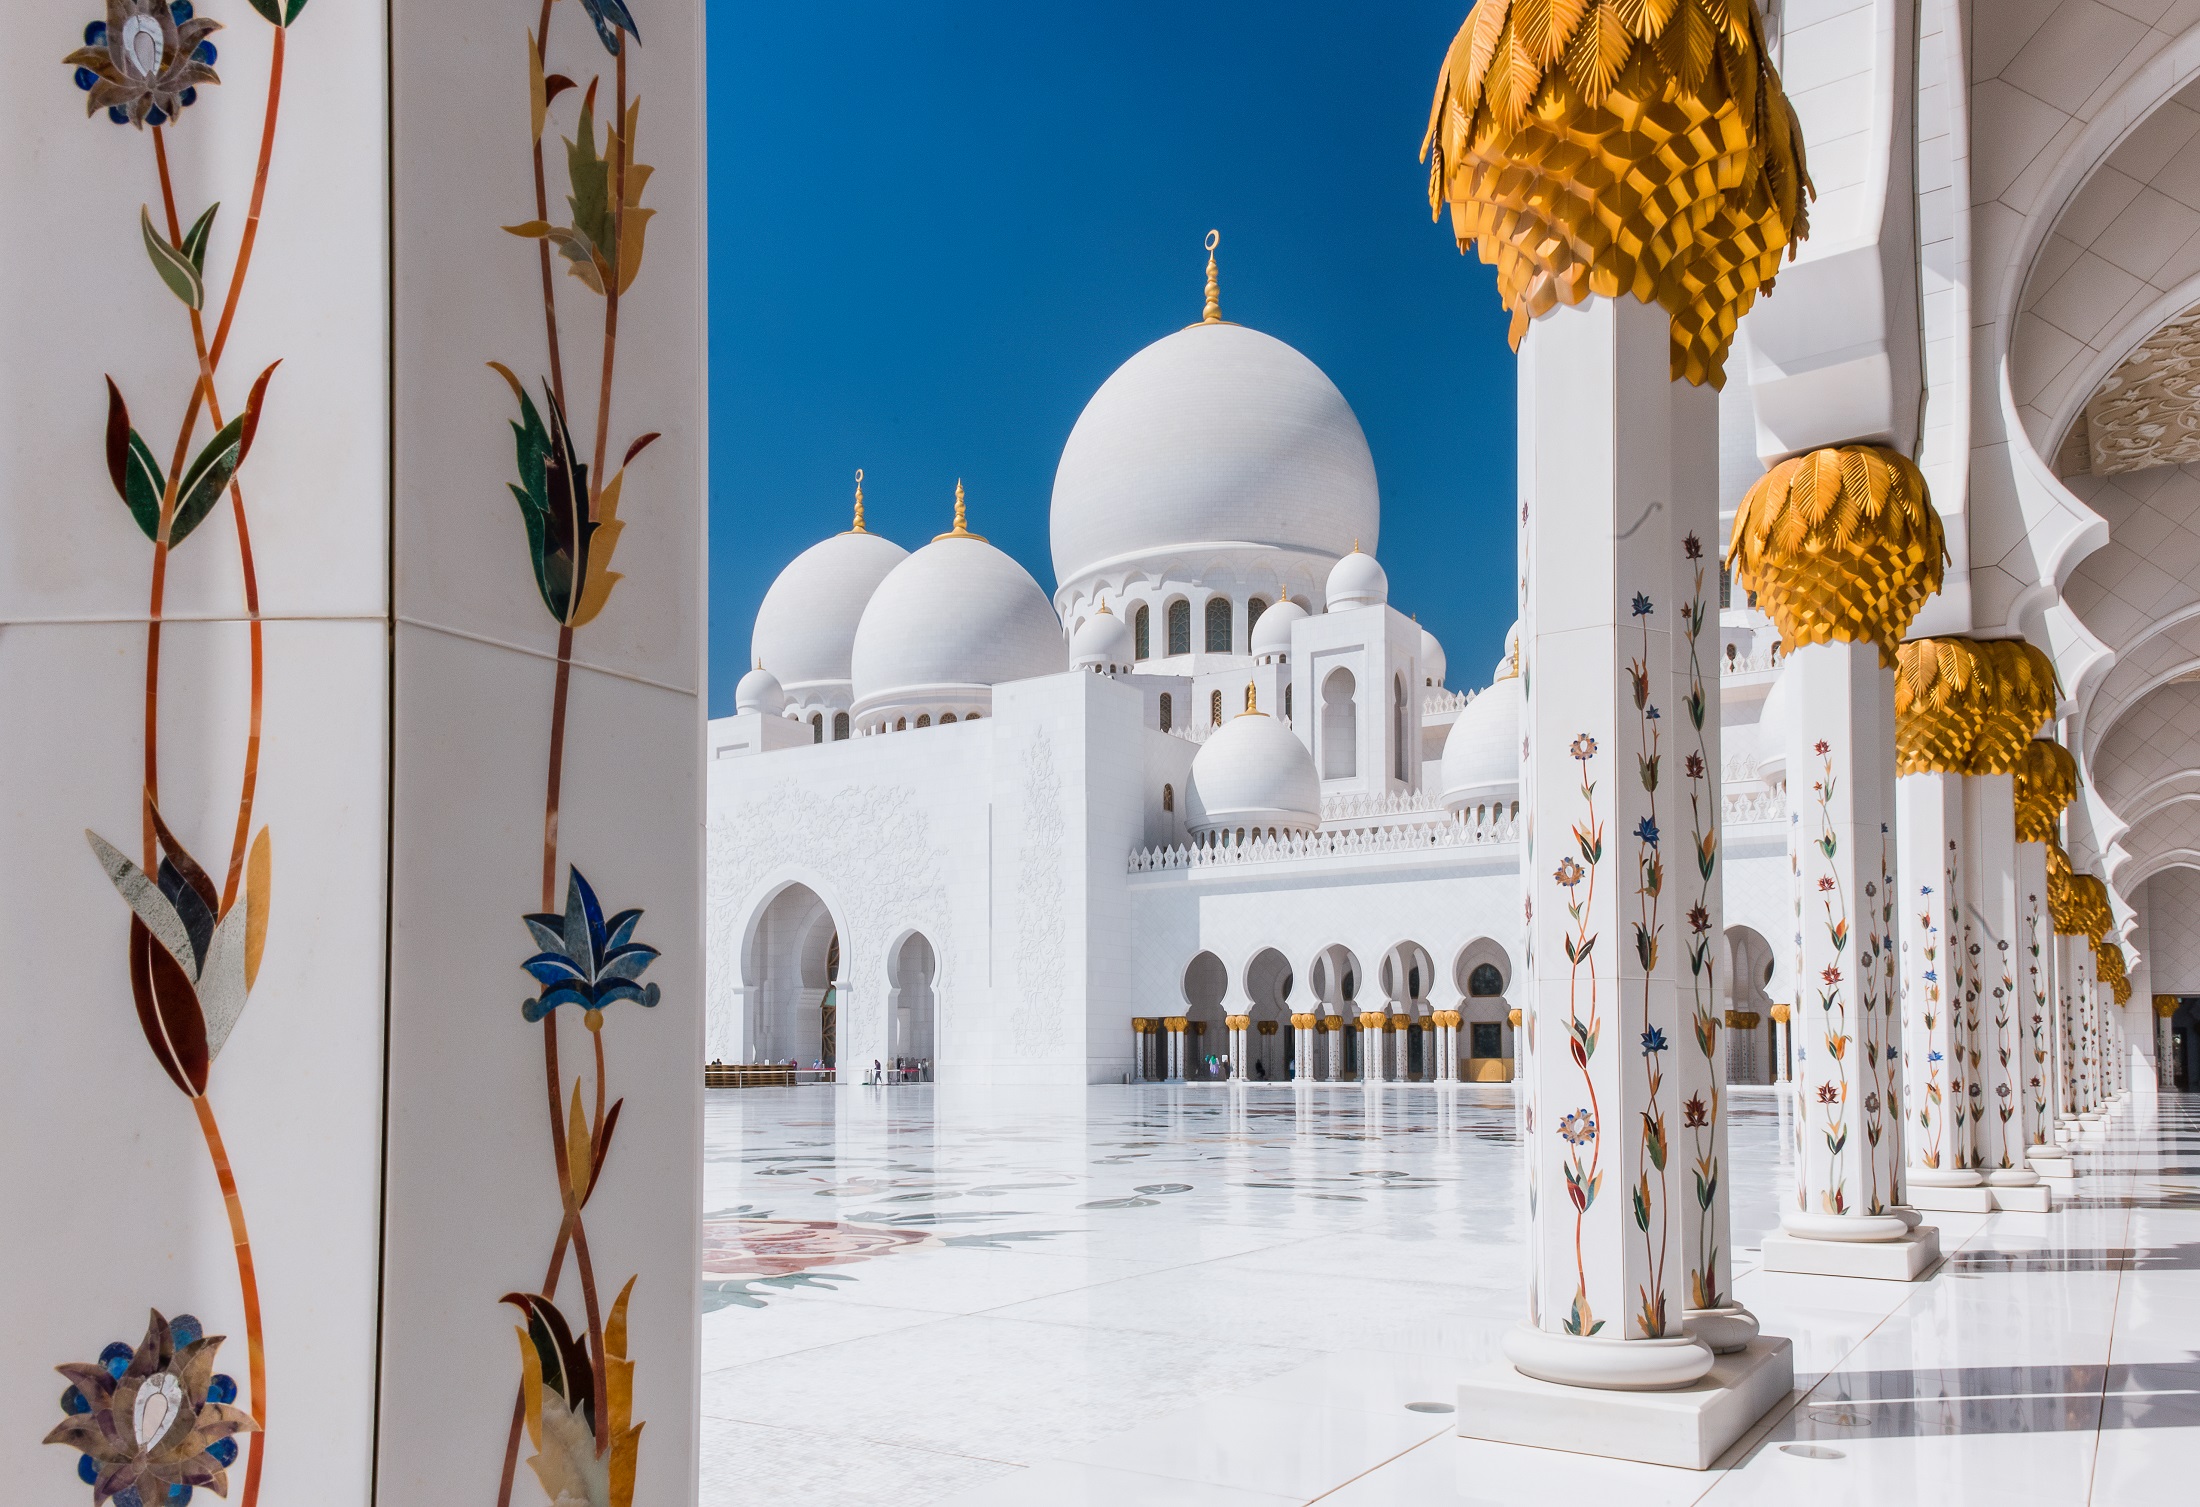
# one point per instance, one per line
(1252, 701)
(859, 528)
(1104, 612)
(961, 530)
(1212, 314)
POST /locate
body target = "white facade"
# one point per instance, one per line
(1001, 870)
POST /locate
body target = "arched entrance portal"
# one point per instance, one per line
(1269, 1045)
(788, 972)
(913, 1009)
(1206, 981)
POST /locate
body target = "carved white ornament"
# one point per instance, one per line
(2147, 412)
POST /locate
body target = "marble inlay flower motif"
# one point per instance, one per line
(160, 1423)
(576, 1391)
(154, 1422)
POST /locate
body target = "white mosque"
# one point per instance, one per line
(1211, 809)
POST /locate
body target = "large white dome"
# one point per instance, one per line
(947, 624)
(1216, 435)
(806, 629)
(1482, 752)
(1253, 773)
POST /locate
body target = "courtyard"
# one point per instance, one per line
(1261, 1295)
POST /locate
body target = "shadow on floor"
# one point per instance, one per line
(2173, 1258)
(1995, 1400)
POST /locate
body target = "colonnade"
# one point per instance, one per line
(1166, 1047)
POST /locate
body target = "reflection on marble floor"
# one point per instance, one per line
(1222, 1296)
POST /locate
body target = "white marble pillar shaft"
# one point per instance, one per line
(1840, 762)
(1696, 868)
(2036, 994)
(1335, 1035)
(1999, 1047)
(1934, 968)
(1607, 851)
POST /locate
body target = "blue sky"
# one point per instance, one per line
(936, 226)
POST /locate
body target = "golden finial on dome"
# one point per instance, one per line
(1104, 608)
(858, 528)
(961, 530)
(1212, 314)
(1252, 700)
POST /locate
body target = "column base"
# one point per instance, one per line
(1975, 1198)
(1727, 1330)
(1689, 1427)
(2033, 1198)
(1903, 1260)
(2059, 1168)
(2012, 1177)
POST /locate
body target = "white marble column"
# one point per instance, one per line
(2165, 1046)
(2001, 1045)
(352, 743)
(1697, 874)
(1333, 1034)
(1238, 1038)
(1935, 967)
(1371, 1024)
(1174, 1025)
(1840, 750)
(1303, 1066)
(1609, 1248)
(2037, 995)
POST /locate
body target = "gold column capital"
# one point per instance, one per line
(1656, 158)
(1840, 546)
(1173, 1022)
(2046, 782)
(1237, 1022)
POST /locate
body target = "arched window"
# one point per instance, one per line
(1485, 982)
(924, 719)
(1398, 726)
(947, 719)
(1180, 627)
(970, 716)
(1218, 625)
(840, 727)
(1287, 703)
(1168, 797)
(817, 727)
(1253, 609)
(1214, 709)
(1142, 633)
(901, 724)
(1340, 727)
(1168, 712)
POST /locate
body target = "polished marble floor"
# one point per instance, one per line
(1256, 1297)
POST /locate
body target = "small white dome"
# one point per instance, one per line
(1272, 634)
(1482, 753)
(1356, 581)
(759, 692)
(1432, 659)
(806, 628)
(1215, 436)
(947, 624)
(1103, 643)
(1253, 773)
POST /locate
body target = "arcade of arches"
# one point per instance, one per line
(1411, 1021)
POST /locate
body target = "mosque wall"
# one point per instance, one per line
(2170, 902)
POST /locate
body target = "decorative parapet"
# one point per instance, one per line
(1767, 805)
(1358, 842)
(1437, 702)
